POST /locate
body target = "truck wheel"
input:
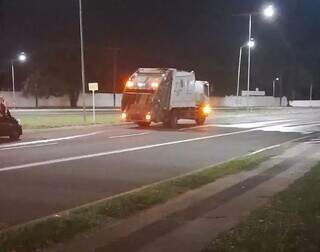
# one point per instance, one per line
(144, 124)
(200, 120)
(173, 119)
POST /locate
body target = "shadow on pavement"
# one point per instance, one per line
(161, 127)
(5, 140)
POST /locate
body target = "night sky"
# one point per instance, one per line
(202, 35)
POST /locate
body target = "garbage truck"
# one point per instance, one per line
(164, 95)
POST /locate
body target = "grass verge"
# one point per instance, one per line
(291, 222)
(54, 121)
(42, 234)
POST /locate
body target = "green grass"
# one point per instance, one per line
(54, 121)
(59, 229)
(291, 222)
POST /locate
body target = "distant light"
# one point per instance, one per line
(22, 57)
(124, 116)
(269, 11)
(251, 43)
(141, 84)
(277, 79)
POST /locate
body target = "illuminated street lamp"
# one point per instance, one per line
(268, 12)
(250, 44)
(21, 58)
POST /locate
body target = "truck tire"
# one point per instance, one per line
(173, 119)
(144, 124)
(200, 120)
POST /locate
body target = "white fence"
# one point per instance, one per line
(106, 100)
(248, 101)
(101, 100)
(305, 103)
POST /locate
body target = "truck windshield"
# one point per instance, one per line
(146, 81)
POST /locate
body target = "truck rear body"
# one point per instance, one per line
(160, 95)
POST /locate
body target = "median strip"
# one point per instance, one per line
(290, 222)
(62, 226)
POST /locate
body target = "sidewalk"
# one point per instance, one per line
(189, 222)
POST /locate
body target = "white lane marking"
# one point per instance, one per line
(303, 128)
(249, 125)
(129, 135)
(28, 146)
(50, 140)
(264, 149)
(108, 153)
(312, 123)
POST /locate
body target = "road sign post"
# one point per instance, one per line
(94, 86)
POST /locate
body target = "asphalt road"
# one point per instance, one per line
(53, 170)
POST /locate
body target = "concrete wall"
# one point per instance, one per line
(305, 103)
(245, 101)
(21, 101)
(106, 100)
(102, 100)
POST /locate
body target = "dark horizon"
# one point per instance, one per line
(204, 37)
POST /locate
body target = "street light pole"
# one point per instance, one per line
(13, 84)
(83, 77)
(239, 71)
(21, 57)
(274, 88)
(268, 12)
(249, 52)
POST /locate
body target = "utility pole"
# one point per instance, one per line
(114, 51)
(239, 71)
(311, 91)
(13, 85)
(83, 76)
(249, 53)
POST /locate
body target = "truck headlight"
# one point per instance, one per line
(148, 117)
(129, 84)
(206, 110)
(155, 85)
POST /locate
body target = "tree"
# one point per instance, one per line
(43, 84)
(58, 75)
